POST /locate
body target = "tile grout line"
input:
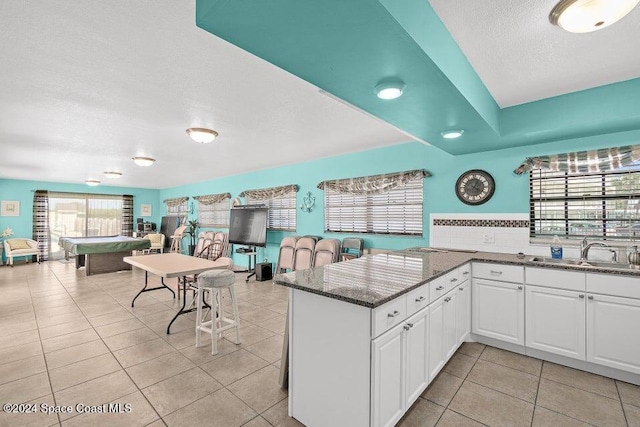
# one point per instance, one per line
(535, 402)
(624, 413)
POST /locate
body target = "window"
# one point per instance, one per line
(282, 211)
(177, 206)
(213, 210)
(396, 211)
(602, 204)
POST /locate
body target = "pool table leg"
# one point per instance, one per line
(144, 289)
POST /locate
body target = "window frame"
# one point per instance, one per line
(216, 209)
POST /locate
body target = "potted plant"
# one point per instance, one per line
(192, 232)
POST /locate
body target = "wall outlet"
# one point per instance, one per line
(489, 238)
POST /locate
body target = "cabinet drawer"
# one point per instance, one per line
(417, 299)
(452, 279)
(437, 288)
(388, 315)
(500, 272)
(464, 272)
(558, 279)
(611, 284)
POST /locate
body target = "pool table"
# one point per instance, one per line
(102, 254)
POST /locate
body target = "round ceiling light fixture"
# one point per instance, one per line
(390, 89)
(92, 182)
(202, 135)
(452, 134)
(143, 161)
(585, 16)
(112, 174)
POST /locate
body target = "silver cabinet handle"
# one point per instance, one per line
(410, 325)
(439, 288)
(394, 314)
(519, 288)
(447, 299)
(407, 327)
(454, 280)
(496, 272)
(461, 289)
(590, 297)
(581, 296)
(464, 273)
(420, 299)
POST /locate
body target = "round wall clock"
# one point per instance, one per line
(475, 187)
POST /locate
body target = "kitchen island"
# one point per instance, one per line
(367, 336)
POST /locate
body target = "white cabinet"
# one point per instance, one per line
(613, 332)
(555, 321)
(450, 330)
(436, 338)
(463, 312)
(400, 368)
(498, 310)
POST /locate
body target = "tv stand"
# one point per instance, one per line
(250, 252)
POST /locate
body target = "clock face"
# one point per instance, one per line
(475, 187)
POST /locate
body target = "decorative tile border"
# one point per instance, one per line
(513, 223)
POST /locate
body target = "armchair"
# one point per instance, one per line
(21, 248)
(157, 242)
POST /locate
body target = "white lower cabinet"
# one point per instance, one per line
(613, 331)
(555, 321)
(400, 368)
(450, 320)
(498, 310)
(436, 338)
(463, 312)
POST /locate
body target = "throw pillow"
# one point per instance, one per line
(18, 244)
(216, 251)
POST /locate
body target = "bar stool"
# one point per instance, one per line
(214, 281)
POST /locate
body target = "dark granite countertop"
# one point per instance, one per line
(373, 280)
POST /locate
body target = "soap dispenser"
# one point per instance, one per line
(556, 248)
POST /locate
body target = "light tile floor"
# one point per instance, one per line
(67, 339)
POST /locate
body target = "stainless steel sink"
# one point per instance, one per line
(585, 264)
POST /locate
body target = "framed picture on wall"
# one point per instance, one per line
(10, 208)
(145, 210)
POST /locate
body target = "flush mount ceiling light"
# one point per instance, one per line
(585, 16)
(202, 135)
(452, 134)
(92, 182)
(390, 89)
(143, 161)
(113, 175)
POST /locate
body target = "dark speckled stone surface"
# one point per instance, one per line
(373, 280)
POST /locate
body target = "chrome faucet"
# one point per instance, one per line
(585, 246)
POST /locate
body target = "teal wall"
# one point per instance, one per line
(511, 194)
(22, 191)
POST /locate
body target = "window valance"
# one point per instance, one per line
(210, 199)
(270, 193)
(374, 184)
(605, 159)
(176, 201)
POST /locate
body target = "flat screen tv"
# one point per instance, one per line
(248, 226)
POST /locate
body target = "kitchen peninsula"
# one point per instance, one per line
(367, 336)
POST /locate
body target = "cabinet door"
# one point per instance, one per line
(388, 373)
(450, 329)
(556, 321)
(613, 335)
(417, 339)
(436, 338)
(498, 310)
(463, 312)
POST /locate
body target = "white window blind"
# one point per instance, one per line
(282, 211)
(177, 210)
(214, 215)
(601, 204)
(397, 211)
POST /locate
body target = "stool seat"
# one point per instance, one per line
(216, 279)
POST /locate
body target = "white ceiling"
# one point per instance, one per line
(85, 86)
(521, 57)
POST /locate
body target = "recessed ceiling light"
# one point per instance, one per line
(584, 16)
(452, 134)
(202, 135)
(390, 89)
(143, 161)
(113, 175)
(92, 182)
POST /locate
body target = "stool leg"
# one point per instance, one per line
(236, 316)
(214, 321)
(200, 296)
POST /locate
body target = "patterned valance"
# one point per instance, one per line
(605, 159)
(211, 199)
(175, 202)
(374, 184)
(270, 193)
